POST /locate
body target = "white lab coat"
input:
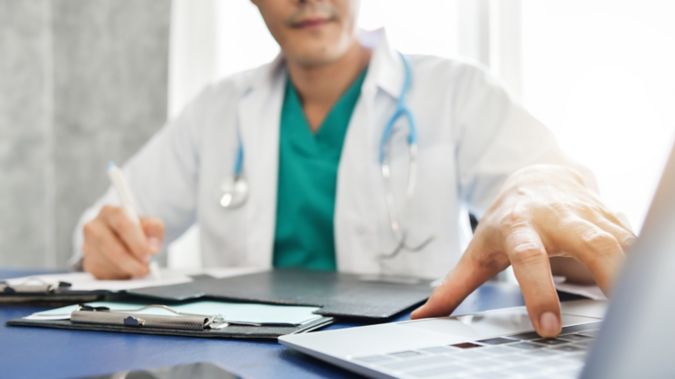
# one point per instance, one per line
(471, 136)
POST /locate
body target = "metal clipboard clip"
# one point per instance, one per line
(135, 318)
(33, 285)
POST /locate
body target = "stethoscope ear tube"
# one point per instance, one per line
(239, 157)
(395, 214)
(235, 188)
(401, 111)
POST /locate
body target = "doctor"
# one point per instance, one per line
(343, 154)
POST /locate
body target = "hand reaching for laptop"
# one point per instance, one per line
(541, 212)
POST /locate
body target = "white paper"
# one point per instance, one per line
(224, 272)
(592, 292)
(62, 313)
(83, 281)
(230, 311)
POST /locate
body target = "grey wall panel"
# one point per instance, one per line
(24, 66)
(110, 85)
(26, 231)
(81, 82)
(25, 135)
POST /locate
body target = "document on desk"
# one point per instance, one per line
(591, 291)
(83, 281)
(249, 313)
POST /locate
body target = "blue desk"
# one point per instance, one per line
(50, 353)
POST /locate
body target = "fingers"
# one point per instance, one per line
(128, 231)
(619, 219)
(115, 247)
(531, 267)
(106, 257)
(572, 270)
(475, 267)
(102, 267)
(624, 236)
(596, 248)
(154, 232)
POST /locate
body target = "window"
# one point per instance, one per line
(419, 27)
(600, 74)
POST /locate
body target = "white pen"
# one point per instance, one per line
(119, 181)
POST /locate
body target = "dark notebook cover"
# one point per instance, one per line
(338, 294)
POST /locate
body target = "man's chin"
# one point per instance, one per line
(317, 53)
(319, 49)
(317, 58)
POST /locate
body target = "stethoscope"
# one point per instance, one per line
(235, 187)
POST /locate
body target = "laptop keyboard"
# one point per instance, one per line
(524, 355)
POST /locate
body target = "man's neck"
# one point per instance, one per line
(321, 86)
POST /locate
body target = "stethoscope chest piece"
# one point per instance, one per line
(235, 192)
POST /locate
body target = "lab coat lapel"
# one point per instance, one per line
(359, 208)
(258, 117)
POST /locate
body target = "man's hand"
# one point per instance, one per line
(541, 212)
(116, 248)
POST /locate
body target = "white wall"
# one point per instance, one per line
(601, 74)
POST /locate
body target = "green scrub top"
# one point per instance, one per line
(307, 182)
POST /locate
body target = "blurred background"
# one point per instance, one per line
(86, 81)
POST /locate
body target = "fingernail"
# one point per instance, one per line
(549, 324)
(154, 243)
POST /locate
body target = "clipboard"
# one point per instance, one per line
(36, 290)
(176, 324)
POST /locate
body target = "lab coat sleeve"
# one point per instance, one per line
(163, 177)
(496, 136)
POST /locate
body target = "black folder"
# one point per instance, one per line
(355, 296)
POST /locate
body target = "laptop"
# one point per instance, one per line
(631, 337)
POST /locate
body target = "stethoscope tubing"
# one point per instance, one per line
(235, 188)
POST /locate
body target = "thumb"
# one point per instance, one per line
(458, 284)
(467, 275)
(153, 228)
